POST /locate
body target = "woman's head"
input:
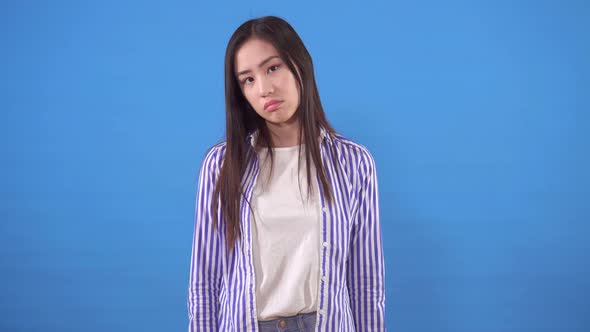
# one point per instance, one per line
(266, 82)
(288, 77)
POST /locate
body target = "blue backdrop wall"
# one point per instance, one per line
(475, 111)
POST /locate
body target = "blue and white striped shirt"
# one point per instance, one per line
(351, 290)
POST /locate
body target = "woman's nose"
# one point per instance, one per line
(265, 86)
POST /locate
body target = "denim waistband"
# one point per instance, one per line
(300, 323)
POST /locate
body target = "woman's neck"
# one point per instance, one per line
(284, 135)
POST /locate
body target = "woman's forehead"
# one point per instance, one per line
(252, 53)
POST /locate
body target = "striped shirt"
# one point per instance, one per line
(351, 290)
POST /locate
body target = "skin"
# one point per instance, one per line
(264, 76)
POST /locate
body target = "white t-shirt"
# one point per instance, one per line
(285, 236)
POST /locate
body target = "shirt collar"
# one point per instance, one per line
(252, 137)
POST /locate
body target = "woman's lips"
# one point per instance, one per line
(272, 106)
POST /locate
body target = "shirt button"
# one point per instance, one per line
(324, 209)
(282, 324)
(325, 244)
(324, 278)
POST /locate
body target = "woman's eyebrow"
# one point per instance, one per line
(259, 65)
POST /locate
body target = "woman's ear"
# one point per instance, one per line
(299, 80)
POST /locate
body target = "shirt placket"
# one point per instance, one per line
(323, 248)
(252, 276)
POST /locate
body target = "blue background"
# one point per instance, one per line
(475, 111)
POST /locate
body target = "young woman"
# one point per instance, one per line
(287, 234)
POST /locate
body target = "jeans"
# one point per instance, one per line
(297, 323)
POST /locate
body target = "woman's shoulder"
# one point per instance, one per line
(216, 150)
(214, 156)
(350, 147)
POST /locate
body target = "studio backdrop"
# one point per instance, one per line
(476, 113)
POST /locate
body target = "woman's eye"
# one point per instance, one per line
(247, 80)
(273, 68)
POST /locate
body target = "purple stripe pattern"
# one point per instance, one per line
(351, 290)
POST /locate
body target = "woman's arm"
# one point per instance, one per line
(366, 268)
(205, 267)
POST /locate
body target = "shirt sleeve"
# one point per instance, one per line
(365, 266)
(205, 267)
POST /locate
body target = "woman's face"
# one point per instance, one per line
(266, 82)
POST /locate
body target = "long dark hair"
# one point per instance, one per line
(241, 119)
